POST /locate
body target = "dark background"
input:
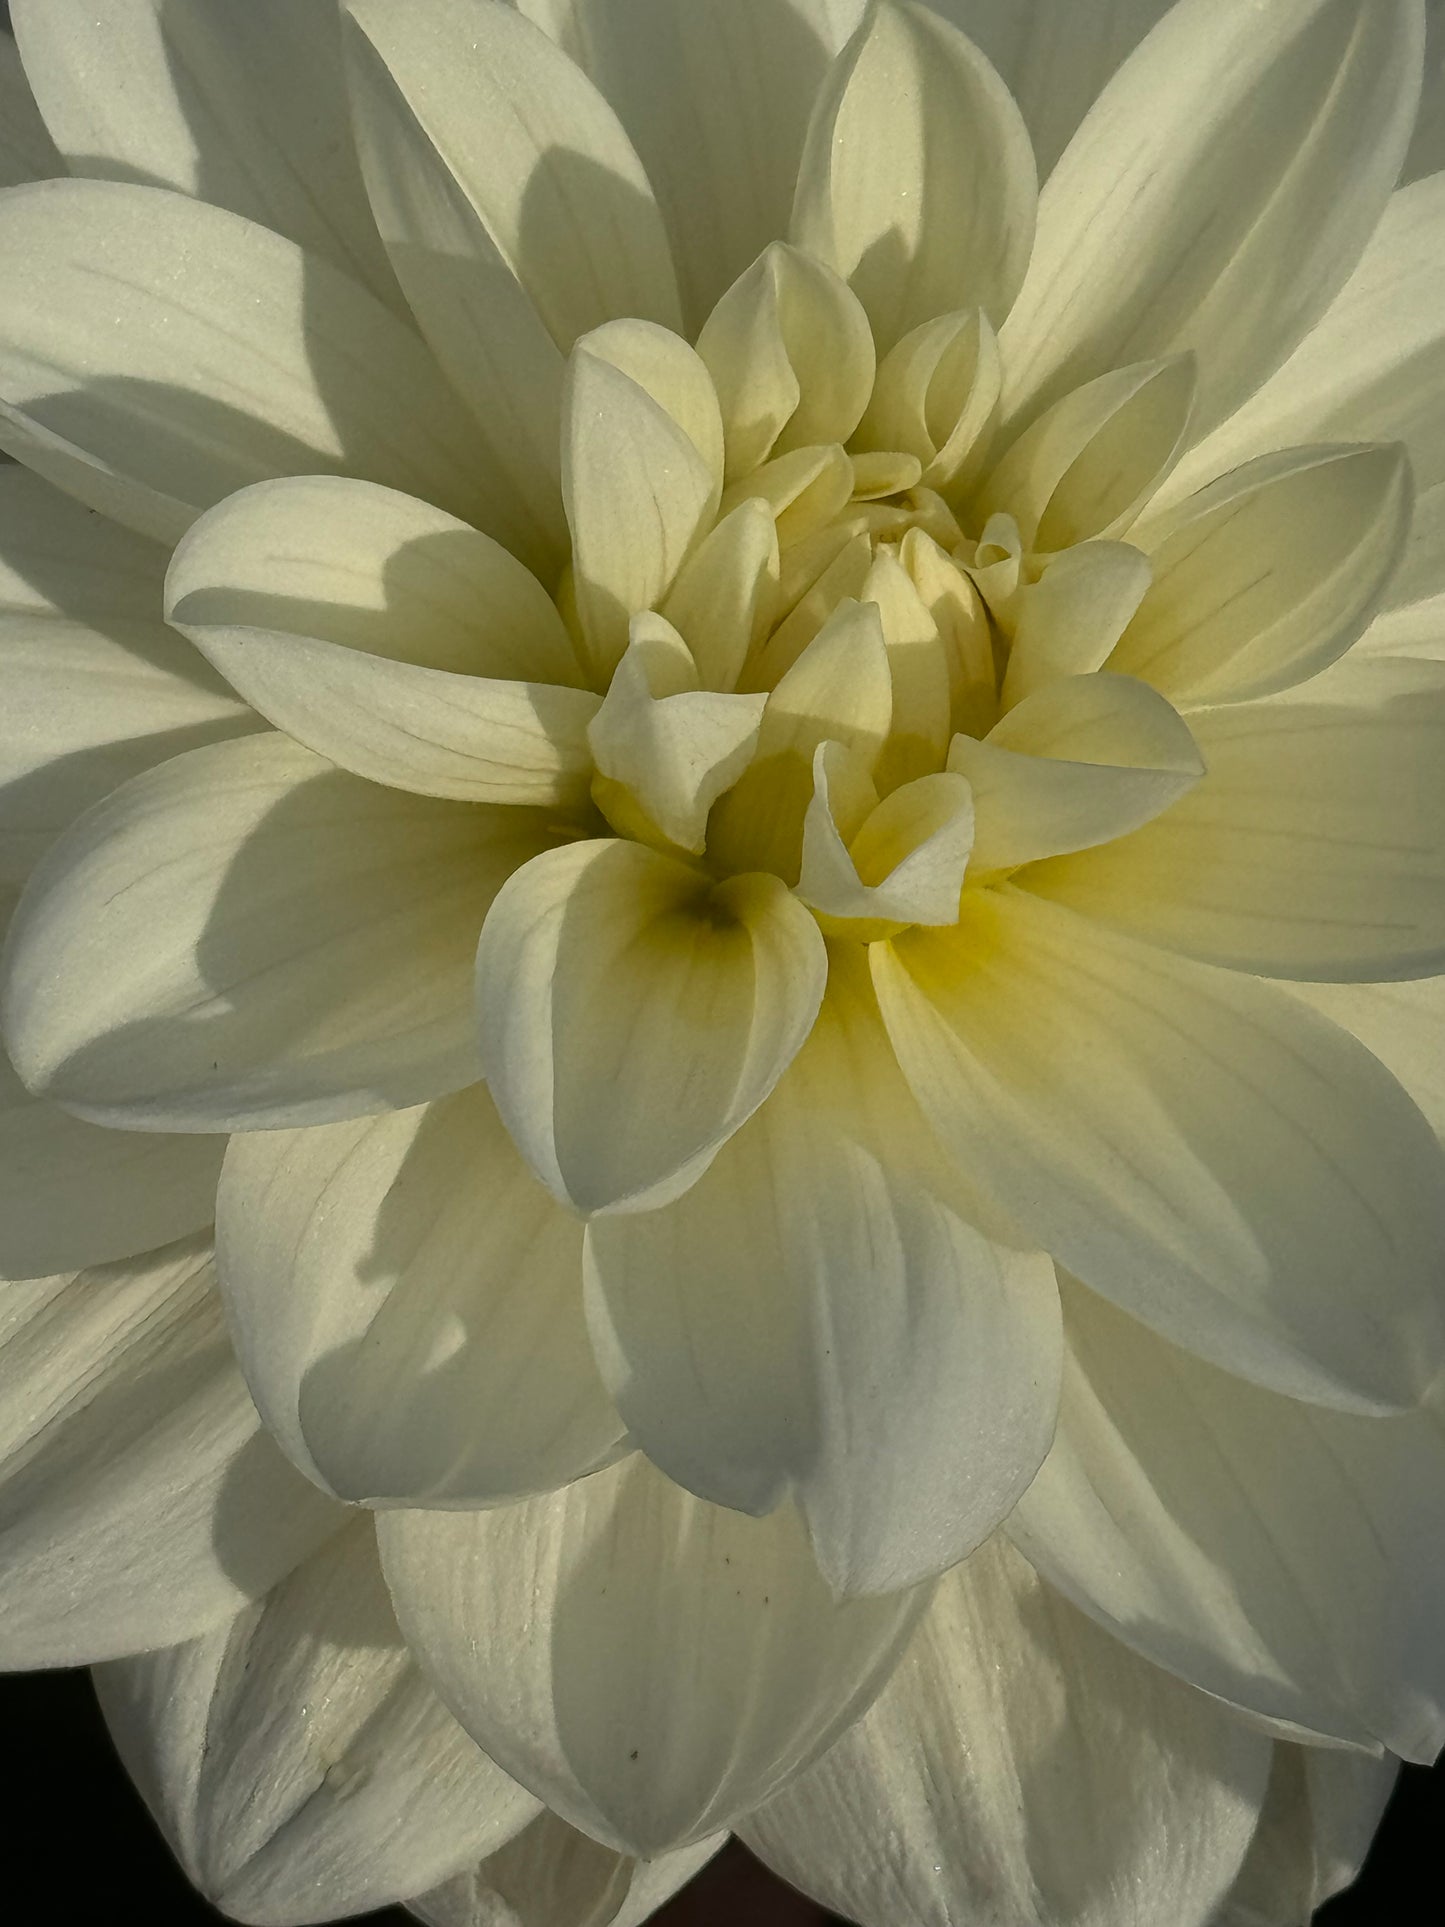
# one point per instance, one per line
(81, 1850)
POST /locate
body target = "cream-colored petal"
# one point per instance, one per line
(1280, 1555)
(649, 1665)
(474, 739)
(898, 862)
(839, 690)
(936, 396)
(716, 95)
(1021, 1766)
(1403, 1024)
(1217, 195)
(1319, 1818)
(1195, 1145)
(478, 319)
(664, 749)
(375, 570)
(406, 1302)
(140, 1500)
(1268, 575)
(634, 1013)
(297, 1762)
(1371, 371)
(1314, 848)
(247, 936)
(918, 668)
(27, 152)
(190, 352)
(240, 106)
(1085, 467)
(917, 183)
(791, 355)
(73, 1195)
(640, 496)
(539, 156)
(1082, 760)
(725, 599)
(552, 1876)
(96, 687)
(818, 1317)
(1070, 620)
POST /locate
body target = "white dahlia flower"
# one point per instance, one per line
(760, 815)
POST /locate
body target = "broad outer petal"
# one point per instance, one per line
(240, 106)
(249, 936)
(1319, 1819)
(817, 1315)
(1280, 1555)
(140, 1500)
(406, 1302)
(649, 1665)
(97, 688)
(552, 1876)
(1021, 1766)
(1217, 196)
(176, 352)
(27, 152)
(296, 1760)
(1193, 1143)
(633, 1015)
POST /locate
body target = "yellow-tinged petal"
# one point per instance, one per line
(1193, 1144)
(1081, 761)
(1268, 575)
(634, 1013)
(1070, 620)
(917, 183)
(897, 862)
(791, 354)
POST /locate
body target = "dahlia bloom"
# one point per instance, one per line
(725, 853)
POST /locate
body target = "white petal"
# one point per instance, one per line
(406, 1302)
(639, 497)
(322, 555)
(1080, 761)
(553, 1876)
(96, 687)
(1315, 847)
(73, 1195)
(1217, 196)
(1193, 1144)
(1068, 622)
(242, 107)
(649, 1665)
(1403, 1024)
(296, 1760)
(791, 354)
(1085, 466)
(1020, 1766)
(246, 935)
(817, 1317)
(1373, 370)
(663, 746)
(917, 183)
(1318, 1821)
(537, 154)
(190, 352)
(472, 738)
(1054, 56)
(725, 599)
(27, 152)
(903, 863)
(1268, 575)
(140, 1500)
(936, 396)
(1282, 1556)
(716, 94)
(633, 1015)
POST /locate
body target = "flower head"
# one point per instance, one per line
(759, 811)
